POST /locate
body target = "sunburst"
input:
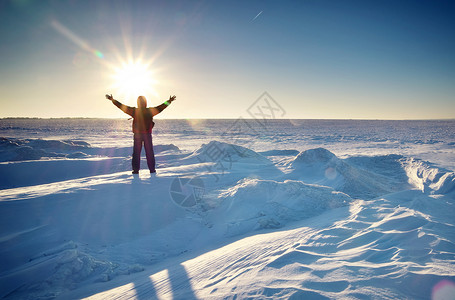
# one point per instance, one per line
(133, 79)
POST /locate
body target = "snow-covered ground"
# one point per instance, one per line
(295, 210)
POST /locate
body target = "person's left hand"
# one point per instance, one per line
(172, 98)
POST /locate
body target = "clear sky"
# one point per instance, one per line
(318, 59)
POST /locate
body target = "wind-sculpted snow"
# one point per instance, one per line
(379, 249)
(12, 149)
(369, 177)
(71, 266)
(320, 166)
(429, 178)
(33, 149)
(34, 161)
(257, 204)
(220, 151)
(270, 224)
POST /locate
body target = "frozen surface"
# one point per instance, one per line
(300, 209)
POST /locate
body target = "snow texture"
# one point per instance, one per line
(223, 221)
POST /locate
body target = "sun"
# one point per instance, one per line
(134, 79)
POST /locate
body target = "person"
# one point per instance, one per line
(142, 129)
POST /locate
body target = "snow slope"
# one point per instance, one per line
(224, 221)
(394, 254)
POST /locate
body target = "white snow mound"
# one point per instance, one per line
(428, 178)
(256, 204)
(321, 166)
(220, 151)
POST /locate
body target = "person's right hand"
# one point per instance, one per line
(109, 97)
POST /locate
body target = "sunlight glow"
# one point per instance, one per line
(134, 79)
(131, 76)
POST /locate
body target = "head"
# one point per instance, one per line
(141, 102)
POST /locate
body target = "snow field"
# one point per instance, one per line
(301, 226)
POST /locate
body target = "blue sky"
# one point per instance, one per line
(317, 59)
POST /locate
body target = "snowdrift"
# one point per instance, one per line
(318, 226)
(220, 151)
(30, 149)
(34, 161)
(369, 177)
(34, 149)
(258, 204)
(320, 166)
(371, 250)
(48, 230)
(229, 163)
(429, 178)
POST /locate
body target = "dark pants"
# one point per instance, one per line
(146, 139)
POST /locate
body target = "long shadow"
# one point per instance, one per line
(177, 286)
(180, 283)
(145, 290)
(177, 283)
(173, 282)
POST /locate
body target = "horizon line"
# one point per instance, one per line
(328, 119)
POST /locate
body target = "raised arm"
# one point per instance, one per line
(126, 109)
(157, 109)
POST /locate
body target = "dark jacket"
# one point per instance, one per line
(142, 116)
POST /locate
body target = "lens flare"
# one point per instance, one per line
(444, 290)
(75, 39)
(98, 54)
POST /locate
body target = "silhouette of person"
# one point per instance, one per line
(142, 128)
